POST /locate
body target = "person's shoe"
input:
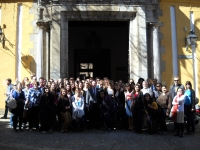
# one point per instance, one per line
(30, 130)
(177, 134)
(3, 117)
(188, 133)
(15, 130)
(181, 135)
(43, 132)
(164, 133)
(21, 130)
(62, 131)
(161, 133)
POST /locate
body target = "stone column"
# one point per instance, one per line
(138, 46)
(64, 47)
(150, 51)
(156, 54)
(55, 44)
(46, 60)
(39, 62)
(142, 42)
(133, 50)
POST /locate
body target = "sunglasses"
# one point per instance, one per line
(175, 80)
(158, 86)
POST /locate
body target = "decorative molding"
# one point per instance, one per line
(99, 15)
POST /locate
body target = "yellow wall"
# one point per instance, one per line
(182, 9)
(7, 54)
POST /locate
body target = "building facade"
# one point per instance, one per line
(119, 39)
(177, 19)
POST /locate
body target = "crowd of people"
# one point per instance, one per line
(74, 105)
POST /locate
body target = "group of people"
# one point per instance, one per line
(69, 104)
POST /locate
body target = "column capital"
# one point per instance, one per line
(43, 24)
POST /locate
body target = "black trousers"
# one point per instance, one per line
(94, 116)
(46, 120)
(17, 116)
(189, 118)
(137, 114)
(34, 117)
(162, 119)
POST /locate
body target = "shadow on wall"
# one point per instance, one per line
(28, 63)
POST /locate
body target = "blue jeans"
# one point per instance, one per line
(11, 119)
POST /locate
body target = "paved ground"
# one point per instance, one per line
(94, 140)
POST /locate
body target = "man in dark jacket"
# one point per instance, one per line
(175, 86)
(93, 106)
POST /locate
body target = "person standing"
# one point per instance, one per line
(175, 86)
(64, 109)
(33, 101)
(173, 91)
(146, 88)
(164, 101)
(138, 108)
(93, 106)
(7, 94)
(157, 91)
(178, 109)
(78, 109)
(19, 96)
(128, 105)
(189, 107)
(46, 111)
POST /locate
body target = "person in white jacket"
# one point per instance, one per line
(178, 104)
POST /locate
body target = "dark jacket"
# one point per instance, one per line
(62, 103)
(91, 97)
(138, 101)
(46, 102)
(120, 99)
(107, 105)
(172, 90)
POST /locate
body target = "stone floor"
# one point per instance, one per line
(94, 140)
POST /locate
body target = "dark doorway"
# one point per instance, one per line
(98, 49)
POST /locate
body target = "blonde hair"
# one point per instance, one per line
(17, 87)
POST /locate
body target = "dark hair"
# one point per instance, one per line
(164, 86)
(41, 78)
(150, 99)
(188, 83)
(159, 84)
(138, 86)
(9, 80)
(147, 94)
